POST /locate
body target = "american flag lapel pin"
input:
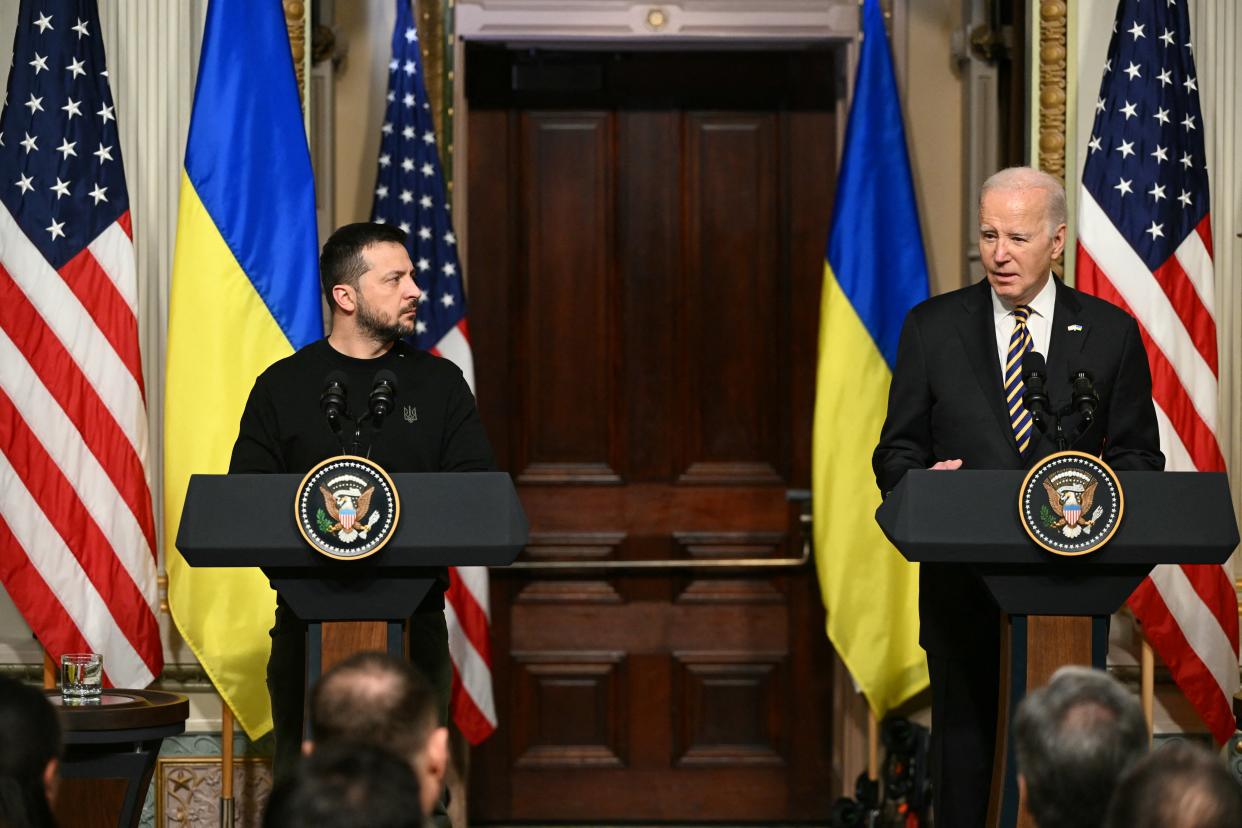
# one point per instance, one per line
(1074, 328)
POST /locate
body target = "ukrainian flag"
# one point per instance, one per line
(874, 273)
(244, 294)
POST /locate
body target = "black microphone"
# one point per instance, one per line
(332, 400)
(383, 392)
(1034, 379)
(1083, 398)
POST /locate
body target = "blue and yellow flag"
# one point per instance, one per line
(244, 294)
(875, 271)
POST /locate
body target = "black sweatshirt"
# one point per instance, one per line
(433, 427)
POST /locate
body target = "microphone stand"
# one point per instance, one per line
(355, 443)
(1059, 433)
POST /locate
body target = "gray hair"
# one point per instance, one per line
(1019, 179)
(1074, 739)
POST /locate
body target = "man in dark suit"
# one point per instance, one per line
(950, 406)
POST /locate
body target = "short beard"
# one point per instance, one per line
(379, 330)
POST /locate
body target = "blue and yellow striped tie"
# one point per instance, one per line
(1019, 344)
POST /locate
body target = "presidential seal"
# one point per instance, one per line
(1071, 503)
(346, 508)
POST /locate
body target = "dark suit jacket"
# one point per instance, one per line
(946, 401)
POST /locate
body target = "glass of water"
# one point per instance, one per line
(81, 678)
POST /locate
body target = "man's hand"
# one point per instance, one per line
(947, 465)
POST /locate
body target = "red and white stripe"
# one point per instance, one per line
(455, 346)
(1188, 613)
(77, 533)
(466, 605)
(469, 618)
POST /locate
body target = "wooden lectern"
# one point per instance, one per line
(1057, 607)
(470, 519)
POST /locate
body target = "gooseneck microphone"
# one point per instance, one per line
(332, 402)
(383, 392)
(1083, 398)
(1034, 380)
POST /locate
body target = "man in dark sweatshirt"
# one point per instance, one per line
(368, 281)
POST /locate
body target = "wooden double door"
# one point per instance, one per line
(646, 235)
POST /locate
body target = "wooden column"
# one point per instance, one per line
(1037, 646)
(341, 639)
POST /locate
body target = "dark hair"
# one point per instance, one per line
(341, 262)
(1073, 740)
(342, 786)
(374, 699)
(1178, 786)
(29, 740)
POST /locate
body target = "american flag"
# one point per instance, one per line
(409, 192)
(1145, 244)
(77, 538)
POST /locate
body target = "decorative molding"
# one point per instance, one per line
(544, 679)
(544, 21)
(431, 17)
(183, 678)
(586, 474)
(727, 473)
(295, 21)
(568, 592)
(25, 673)
(153, 48)
(1053, 52)
(1216, 26)
(711, 690)
(545, 546)
(175, 678)
(729, 544)
(187, 790)
(730, 591)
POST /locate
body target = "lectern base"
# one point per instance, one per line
(330, 642)
(1035, 647)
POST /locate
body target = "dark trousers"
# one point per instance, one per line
(286, 677)
(963, 736)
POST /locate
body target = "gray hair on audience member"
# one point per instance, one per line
(1178, 786)
(1074, 738)
(1013, 179)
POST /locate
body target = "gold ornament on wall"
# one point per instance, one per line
(1053, 52)
(295, 21)
(431, 39)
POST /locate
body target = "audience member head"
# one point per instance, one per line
(347, 785)
(29, 754)
(1073, 740)
(1179, 786)
(375, 699)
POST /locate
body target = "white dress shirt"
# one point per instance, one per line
(1039, 323)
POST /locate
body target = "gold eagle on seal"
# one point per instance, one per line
(1071, 504)
(347, 508)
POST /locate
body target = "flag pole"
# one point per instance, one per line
(226, 765)
(1147, 687)
(50, 679)
(873, 746)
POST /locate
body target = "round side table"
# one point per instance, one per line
(110, 753)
